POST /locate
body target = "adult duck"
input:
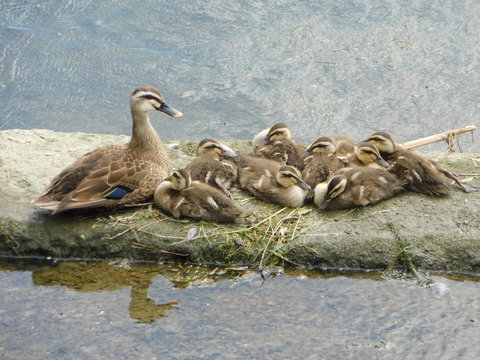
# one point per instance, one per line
(116, 175)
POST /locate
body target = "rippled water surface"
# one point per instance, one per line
(125, 311)
(234, 68)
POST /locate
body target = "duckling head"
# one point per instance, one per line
(289, 176)
(326, 191)
(148, 98)
(383, 141)
(277, 132)
(368, 153)
(180, 179)
(323, 144)
(213, 147)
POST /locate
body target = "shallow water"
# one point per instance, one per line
(234, 68)
(131, 311)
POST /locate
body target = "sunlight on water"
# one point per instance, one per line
(326, 67)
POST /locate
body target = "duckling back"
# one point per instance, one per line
(261, 177)
(358, 186)
(195, 200)
(278, 145)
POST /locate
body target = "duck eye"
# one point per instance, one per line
(151, 97)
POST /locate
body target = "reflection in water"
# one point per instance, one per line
(78, 311)
(110, 276)
(100, 276)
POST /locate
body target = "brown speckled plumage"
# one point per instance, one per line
(136, 167)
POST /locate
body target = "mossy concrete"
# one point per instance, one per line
(439, 233)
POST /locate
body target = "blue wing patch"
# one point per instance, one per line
(119, 192)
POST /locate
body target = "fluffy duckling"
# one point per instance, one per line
(213, 165)
(321, 161)
(420, 174)
(358, 186)
(343, 145)
(116, 175)
(366, 154)
(272, 182)
(181, 197)
(277, 144)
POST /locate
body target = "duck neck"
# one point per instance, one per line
(144, 137)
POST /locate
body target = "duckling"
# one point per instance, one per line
(272, 182)
(213, 165)
(278, 145)
(421, 174)
(116, 175)
(181, 197)
(320, 161)
(357, 186)
(343, 145)
(366, 154)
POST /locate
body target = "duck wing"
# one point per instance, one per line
(114, 181)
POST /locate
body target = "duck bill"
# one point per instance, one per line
(169, 110)
(382, 162)
(303, 185)
(226, 151)
(264, 141)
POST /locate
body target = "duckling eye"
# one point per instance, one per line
(368, 151)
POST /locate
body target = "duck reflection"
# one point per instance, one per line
(110, 276)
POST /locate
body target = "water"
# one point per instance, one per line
(234, 68)
(127, 311)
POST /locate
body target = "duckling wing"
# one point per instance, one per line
(204, 202)
(420, 174)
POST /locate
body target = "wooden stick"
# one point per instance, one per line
(446, 135)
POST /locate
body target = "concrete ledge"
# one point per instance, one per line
(437, 233)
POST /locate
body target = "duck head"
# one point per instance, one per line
(326, 191)
(368, 153)
(277, 132)
(383, 141)
(148, 98)
(289, 176)
(323, 144)
(213, 147)
(180, 179)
